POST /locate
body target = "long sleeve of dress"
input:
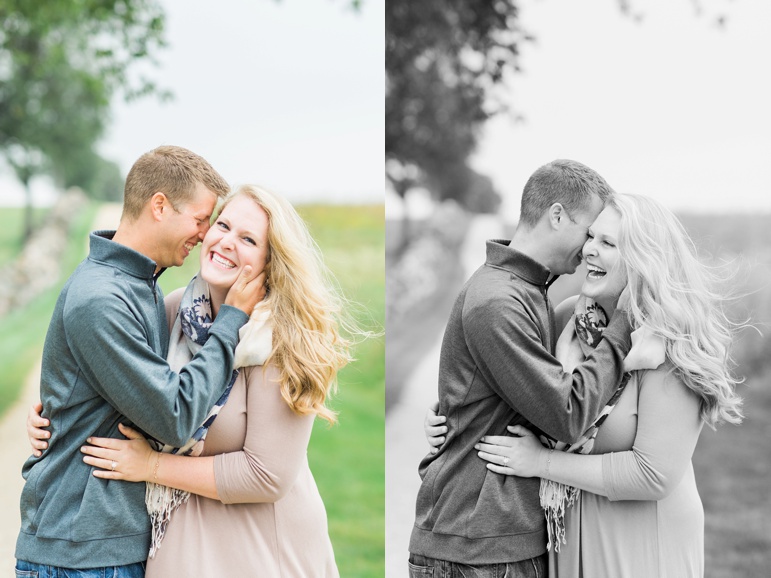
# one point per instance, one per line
(275, 448)
(668, 428)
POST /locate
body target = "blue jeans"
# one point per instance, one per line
(422, 567)
(31, 570)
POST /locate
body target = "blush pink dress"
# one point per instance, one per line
(271, 520)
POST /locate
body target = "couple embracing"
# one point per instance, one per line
(224, 378)
(563, 438)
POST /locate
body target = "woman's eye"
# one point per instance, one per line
(608, 244)
(249, 240)
(222, 225)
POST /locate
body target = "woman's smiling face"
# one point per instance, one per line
(238, 237)
(606, 276)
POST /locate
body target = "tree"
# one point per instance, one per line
(445, 63)
(444, 59)
(90, 172)
(61, 62)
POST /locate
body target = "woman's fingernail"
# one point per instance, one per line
(476, 447)
(89, 440)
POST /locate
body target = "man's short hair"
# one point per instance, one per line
(173, 171)
(563, 181)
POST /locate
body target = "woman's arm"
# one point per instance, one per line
(36, 433)
(434, 428)
(263, 471)
(524, 456)
(275, 448)
(133, 460)
(668, 428)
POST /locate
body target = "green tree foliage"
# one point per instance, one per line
(102, 178)
(444, 59)
(61, 62)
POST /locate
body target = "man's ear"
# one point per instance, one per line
(557, 215)
(158, 204)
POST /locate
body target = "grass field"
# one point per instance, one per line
(347, 459)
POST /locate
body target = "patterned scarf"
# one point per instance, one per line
(189, 334)
(588, 323)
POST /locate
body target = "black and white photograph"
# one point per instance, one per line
(577, 289)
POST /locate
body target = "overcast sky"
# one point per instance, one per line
(285, 94)
(673, 107)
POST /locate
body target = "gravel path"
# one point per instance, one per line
(15, 449)
(405, 441)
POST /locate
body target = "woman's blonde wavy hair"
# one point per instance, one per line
(677, 297)
(306, 309)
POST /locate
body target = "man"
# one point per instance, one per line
(497, 369)
(104, 361)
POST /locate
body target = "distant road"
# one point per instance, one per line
(15, 448)
(405, 442)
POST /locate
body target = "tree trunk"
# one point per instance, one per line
(27, 232)
(405, 232)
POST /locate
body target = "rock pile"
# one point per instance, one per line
(417, 276)
(38, 266)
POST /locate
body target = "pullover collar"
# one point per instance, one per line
(131, 262)
(502, 255)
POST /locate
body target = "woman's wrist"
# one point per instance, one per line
(544, 462)
(153, 464)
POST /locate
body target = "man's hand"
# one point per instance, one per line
(247, 291)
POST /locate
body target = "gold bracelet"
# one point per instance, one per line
(155, 469)
(548, 463)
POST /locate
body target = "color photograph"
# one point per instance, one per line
(224, 160)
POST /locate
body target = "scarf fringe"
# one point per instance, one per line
(189, 334)
(589, 321)
(161, 502)
(556, 498)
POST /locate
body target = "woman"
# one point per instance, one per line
(639, 514)
(248, 503)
